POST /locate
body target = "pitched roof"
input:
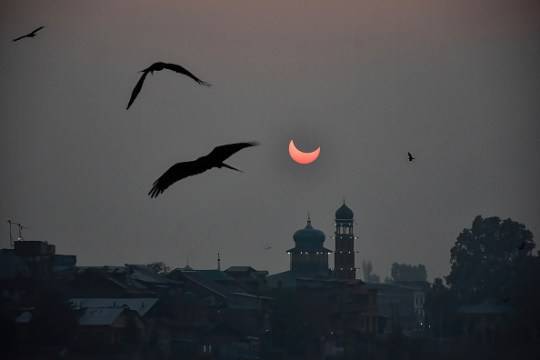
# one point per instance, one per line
(144, 274)
(215, 275)
(206, 283)
(240, 269)
(100, 316)
(140, 305)
(288, 278)
(24, 318)
(222, 289)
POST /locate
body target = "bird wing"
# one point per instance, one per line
(221, 153)
(175, 173)
(29, 34)
(182, 70)
(182, 170)
(137, 89)
(20, 37)
(36, 30)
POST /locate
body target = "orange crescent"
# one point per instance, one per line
(303, 157)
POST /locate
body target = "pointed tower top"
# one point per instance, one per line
(187, 267)
(344, 213)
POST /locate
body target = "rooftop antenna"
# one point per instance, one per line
(20, 226)
(218, 263)
(10, 235)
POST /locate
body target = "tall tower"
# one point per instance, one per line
(344, 267)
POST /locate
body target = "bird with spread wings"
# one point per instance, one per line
(158, 66)
(182, 170)
(29, 35)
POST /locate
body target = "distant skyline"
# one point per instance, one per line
(455, 83)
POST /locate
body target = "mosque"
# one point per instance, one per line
(309, 257)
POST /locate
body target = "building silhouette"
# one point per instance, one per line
(309, 256)
(344, 267)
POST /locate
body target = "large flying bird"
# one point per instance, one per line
(158, 67)
(411, 158)
(29, 35)
(182, 170)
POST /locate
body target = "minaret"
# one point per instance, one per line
(344, 267)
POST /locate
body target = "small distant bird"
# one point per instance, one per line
(411, 158)
(267, 248)
(158, 67)
(29, 35)
(182, 170)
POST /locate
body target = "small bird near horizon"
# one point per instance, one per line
(158, 66)
(182, 170)
(267, 248)
(411, 158)
(29, 35)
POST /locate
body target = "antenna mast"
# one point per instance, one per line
(21, 227)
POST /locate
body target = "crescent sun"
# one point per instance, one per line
(303, 157)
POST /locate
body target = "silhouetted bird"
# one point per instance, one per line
(158, 67)
(522, 246)
(182, 170)
(29, 35)
(267, 248)
(411, 158)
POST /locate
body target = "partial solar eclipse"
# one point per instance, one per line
(303, 157)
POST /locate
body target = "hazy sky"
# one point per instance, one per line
(456, 83)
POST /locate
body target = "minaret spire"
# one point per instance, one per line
(218, 263)
(344, 255)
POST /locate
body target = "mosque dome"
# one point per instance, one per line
(309, 237)
(344, 213)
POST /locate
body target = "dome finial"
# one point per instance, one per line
(308, 218)
(344, 213)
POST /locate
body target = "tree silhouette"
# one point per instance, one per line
(406, 272)
(159, 267)
(485, 258)
(369, 276)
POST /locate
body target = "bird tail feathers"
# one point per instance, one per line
(230, 167)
